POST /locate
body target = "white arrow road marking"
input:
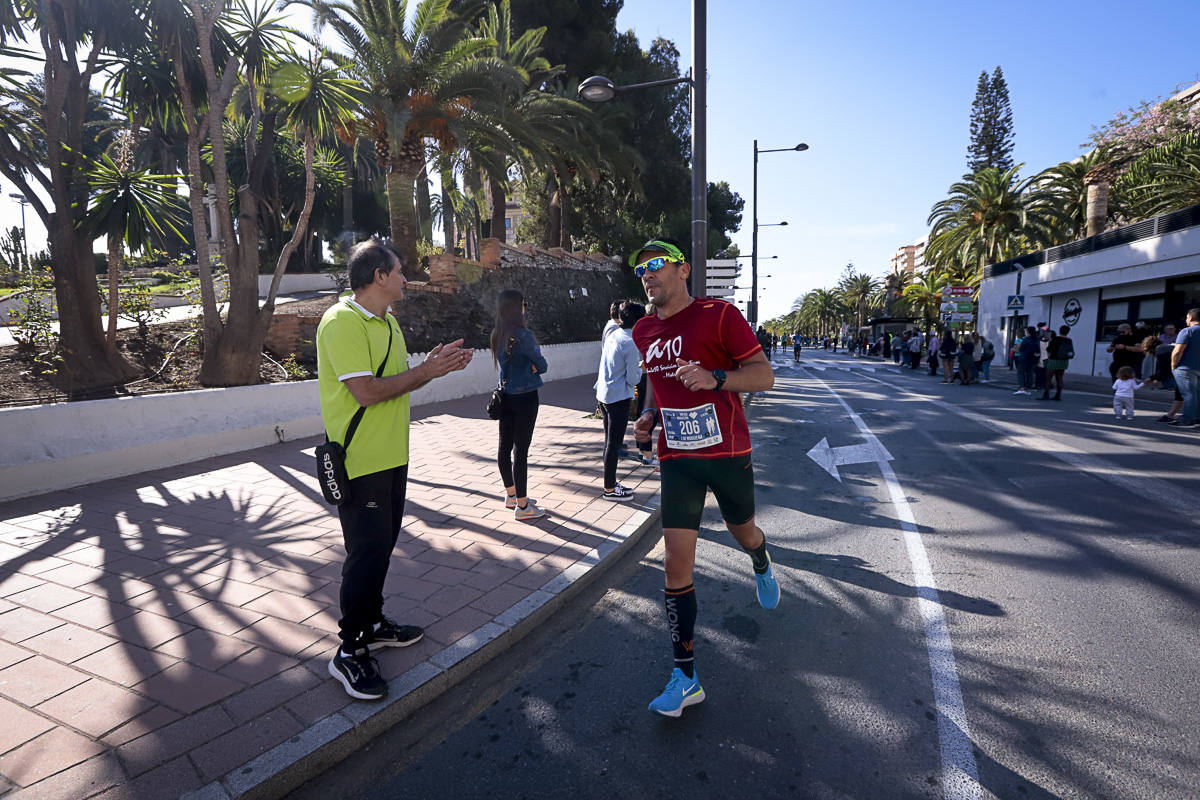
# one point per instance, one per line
(960, 773)
(830, 458)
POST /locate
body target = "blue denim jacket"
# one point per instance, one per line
(517, 371)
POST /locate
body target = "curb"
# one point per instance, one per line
(288, 765)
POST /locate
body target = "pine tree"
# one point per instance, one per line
(991, 124)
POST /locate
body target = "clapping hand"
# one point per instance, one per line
(447, 358)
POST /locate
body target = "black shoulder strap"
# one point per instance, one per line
(357, 418)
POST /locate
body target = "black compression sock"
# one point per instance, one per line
(759, 557)
(681, 621)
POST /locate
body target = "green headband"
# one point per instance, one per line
(670, 250)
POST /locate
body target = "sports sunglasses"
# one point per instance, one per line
(652, 265)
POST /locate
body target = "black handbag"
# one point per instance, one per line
(496, 401)
(331, 456)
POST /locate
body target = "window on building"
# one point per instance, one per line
(508, 223)
(1145, 310)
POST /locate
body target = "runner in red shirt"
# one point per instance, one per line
(699, 356)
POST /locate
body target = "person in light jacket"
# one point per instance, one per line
(619, 373)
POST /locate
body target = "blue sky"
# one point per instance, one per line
(881, 92)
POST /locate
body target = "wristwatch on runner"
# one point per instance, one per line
(719, 374)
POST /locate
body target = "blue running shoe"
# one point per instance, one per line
(680, 693)
(768, 587)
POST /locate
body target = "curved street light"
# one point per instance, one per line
(752, 309)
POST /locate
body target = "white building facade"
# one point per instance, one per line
(1146, 274)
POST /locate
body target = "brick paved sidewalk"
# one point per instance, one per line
(160, 631)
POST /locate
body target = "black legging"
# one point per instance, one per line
(616, 423)
(518, 414)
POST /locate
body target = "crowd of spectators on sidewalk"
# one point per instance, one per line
(1040, 356)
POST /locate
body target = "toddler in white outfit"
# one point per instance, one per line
(1123, 389)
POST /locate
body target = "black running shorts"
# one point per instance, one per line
(685, 484)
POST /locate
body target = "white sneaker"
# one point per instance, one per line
(530, 511)
(1020, 391)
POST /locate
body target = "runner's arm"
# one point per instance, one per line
(645, 422)
(754, 374)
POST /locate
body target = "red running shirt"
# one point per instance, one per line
(714, 333)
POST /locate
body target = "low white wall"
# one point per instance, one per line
(62, 445)
(291, 284)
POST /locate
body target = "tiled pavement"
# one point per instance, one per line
(160, 631)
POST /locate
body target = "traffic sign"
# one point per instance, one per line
(958, 291)
(960, 317)
(948, 307)
(1016, 302)
(965, 307)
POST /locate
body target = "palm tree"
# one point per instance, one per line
(428, 80)
(73, 35)
(856, 289)
(1066, 183)
(133, 208)
(1164, 179)
(990, 216)
(925, 294)
(320, 103)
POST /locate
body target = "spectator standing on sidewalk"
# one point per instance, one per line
(1028, 352)
(1123, 388)
(1044, 336)
(620, 371)
(948, 352)
(1185, 367)
(935, 342)
(522, 365)
(966, 360)
(913, 350)
(1060, 350)
(984, 357)
(362, 364)
(1126, 350)
(1162, 347)
(613, 321)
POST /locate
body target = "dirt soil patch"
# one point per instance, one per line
(168, 357)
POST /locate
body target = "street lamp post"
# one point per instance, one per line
(752, 307)
(599, 89)
(20, 198)
(1012, 325)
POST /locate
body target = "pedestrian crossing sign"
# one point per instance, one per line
(1016, 302)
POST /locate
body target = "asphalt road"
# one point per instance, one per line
(1001, 598)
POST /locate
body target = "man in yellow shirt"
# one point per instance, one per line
(356, 336)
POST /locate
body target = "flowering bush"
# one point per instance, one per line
(1146, 126)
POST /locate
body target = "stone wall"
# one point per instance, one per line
(568, 296)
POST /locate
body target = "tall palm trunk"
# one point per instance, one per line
(448, 211)
(499, 201)
(554, 229)
(114, 265)
(564, 217)
(348, 196)
(424, 205)
(400, 217)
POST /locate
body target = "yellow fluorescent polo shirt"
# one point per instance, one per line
(351, 341)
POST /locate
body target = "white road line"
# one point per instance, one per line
(960, 774)
(1171, 496)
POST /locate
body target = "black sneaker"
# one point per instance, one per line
(392, 634)
(358, 674)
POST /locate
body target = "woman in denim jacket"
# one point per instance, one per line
(521, 364)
